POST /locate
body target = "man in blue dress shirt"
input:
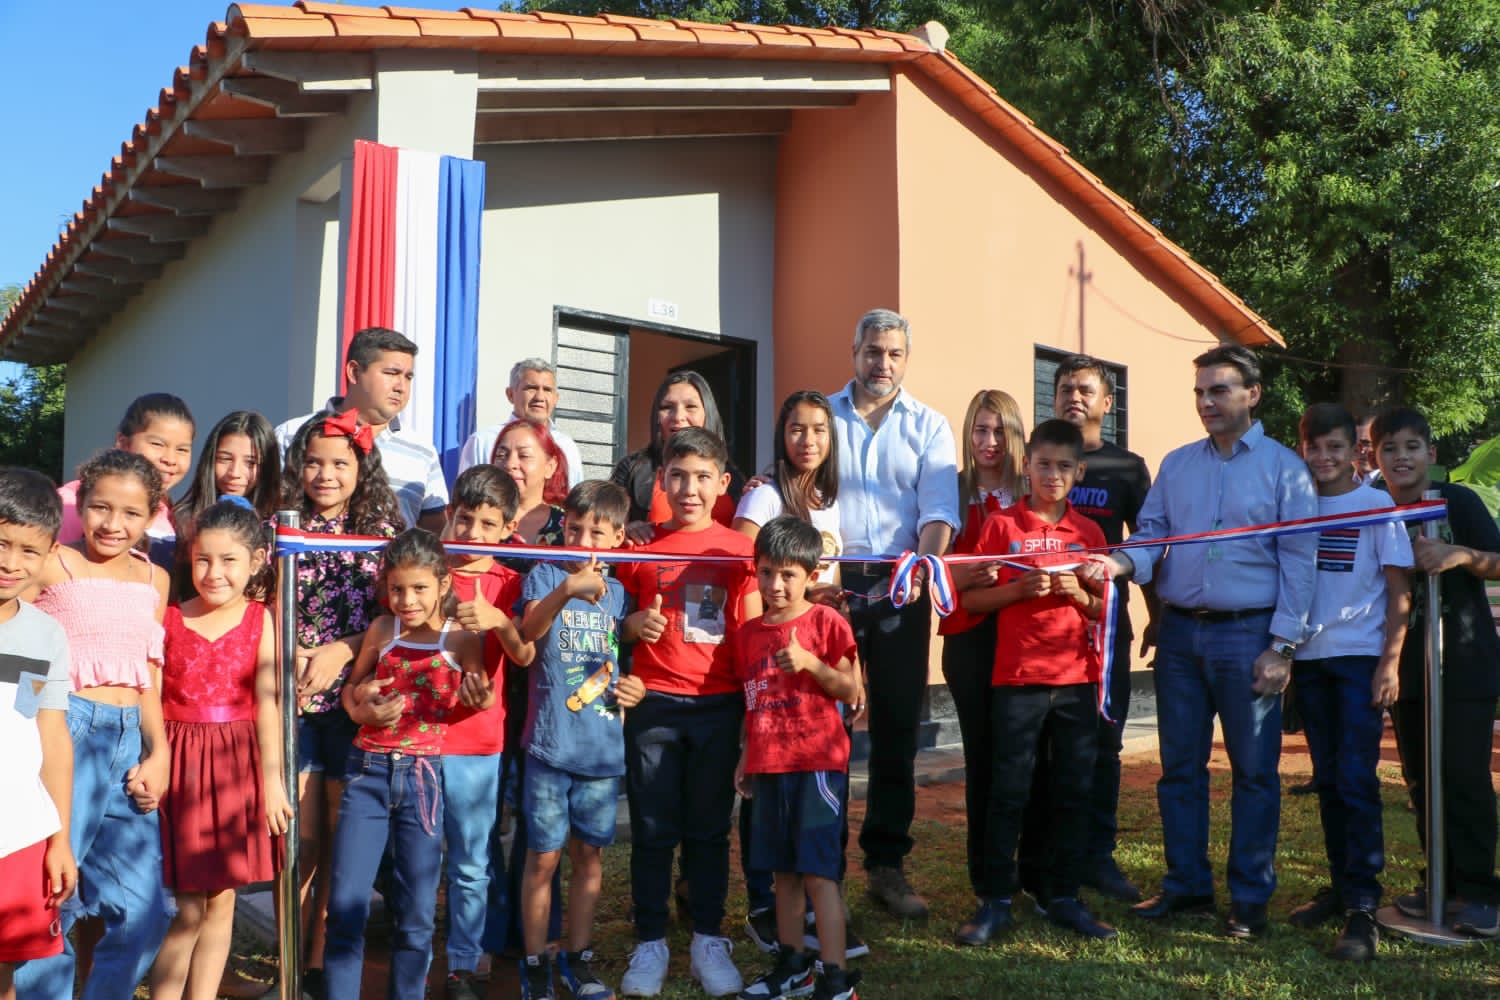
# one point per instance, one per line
(1233, 613)
(898, 491)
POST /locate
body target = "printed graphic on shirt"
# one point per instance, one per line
(1336, 549)
(1033, 546)
(703, 613)
(584, 639)
(29, 675)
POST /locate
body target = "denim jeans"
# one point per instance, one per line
(1204, 669)
(397, 799)
(118, 850)
(471, 796)
(1343, 733)
(680, 755)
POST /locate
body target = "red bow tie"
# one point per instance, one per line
(347, 425)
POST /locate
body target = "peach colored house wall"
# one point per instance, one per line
(910, 200)
(836, 238)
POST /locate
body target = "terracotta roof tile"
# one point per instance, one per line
(312, 26)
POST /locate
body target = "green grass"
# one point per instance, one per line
(1187, 958)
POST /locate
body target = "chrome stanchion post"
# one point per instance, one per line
(1432, 928)
(288, 903)
(1432, 691)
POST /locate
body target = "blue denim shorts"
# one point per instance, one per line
(324, 740)
(797, 824)
(557, 803)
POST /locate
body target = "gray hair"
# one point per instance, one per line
(879, 321)
(530, 365)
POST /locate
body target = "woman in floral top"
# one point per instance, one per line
(332, 474)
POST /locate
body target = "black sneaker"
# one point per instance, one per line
(1359, 938)
(1323, 907)
(854, 945)
(792, 976)
(1108, 880)
(536, 978)
(1070, 912)
(835, 983)
(461, 986)
(761, 926)
(577, 970)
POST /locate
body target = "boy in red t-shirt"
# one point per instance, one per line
(1044, 686)
(796, 663)
(483, 511)
(683, 715)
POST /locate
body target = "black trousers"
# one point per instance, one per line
(680, 756)
(1468, 794)
(968, 663)
(1028, 721)
(893, 645)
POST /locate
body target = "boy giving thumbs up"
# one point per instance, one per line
(796, 664)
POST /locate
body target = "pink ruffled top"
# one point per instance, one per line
(113, 634)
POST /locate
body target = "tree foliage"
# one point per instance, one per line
(31, 412)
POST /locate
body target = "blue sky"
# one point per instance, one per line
(77, 76)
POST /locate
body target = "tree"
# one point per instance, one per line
(31, 412)
(1334, 162)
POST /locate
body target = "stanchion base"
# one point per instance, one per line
(1418, 929)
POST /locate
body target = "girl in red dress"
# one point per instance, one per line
(227, 806)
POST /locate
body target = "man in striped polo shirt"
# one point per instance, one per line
(378, 367)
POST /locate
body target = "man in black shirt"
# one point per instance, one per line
(1467, 553)
(1114, 486)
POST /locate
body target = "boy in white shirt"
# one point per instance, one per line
(1347, 674)
(37, 871)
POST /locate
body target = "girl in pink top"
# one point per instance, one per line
(109, 599)
(227, 800)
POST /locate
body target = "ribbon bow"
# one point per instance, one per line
(904, 579)
(347, 425)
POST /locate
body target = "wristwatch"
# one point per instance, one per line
(1285, 650)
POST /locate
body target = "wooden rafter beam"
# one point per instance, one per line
(316, 72)
(218, 171)
(251, 136)
(187, 199)
(162, 228)
(571, 127)
(505, 102)
(289, 100)
(139, 251)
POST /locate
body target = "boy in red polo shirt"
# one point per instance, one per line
(682, 722)
(1044, 687)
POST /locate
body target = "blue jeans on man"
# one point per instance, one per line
(1203, 669)
(1343, 729)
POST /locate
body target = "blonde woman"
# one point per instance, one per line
(994, 450)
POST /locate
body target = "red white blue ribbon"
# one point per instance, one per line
(1102, 635)
(939, 582)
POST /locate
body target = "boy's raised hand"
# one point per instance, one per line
(629, 691)
(479, 615)
(476, 690)
(587, 582)
(653, 622)
(795, 657)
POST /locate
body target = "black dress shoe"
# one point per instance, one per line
(1323, 907)
(1069, 912)
(992, 917)
(1246, 920)
(1169, 903)
(1108, 880)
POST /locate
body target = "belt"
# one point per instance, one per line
(1214, 615)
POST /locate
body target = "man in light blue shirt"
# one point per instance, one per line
(898, 491)
(1233, 613)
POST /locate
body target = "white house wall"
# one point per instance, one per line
(246, 320)
(607, 227)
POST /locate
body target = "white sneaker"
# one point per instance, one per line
(712, 967)
(648, 969)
